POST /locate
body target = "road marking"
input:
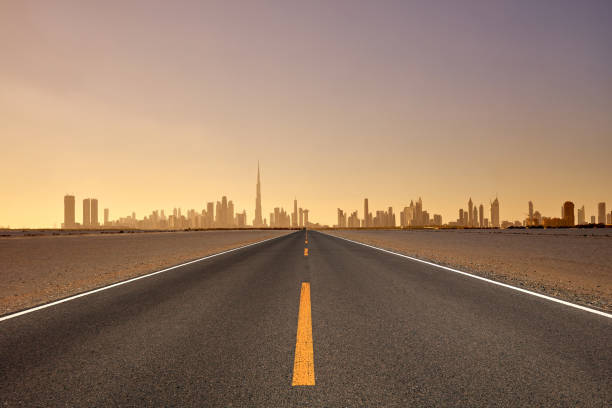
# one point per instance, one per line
(303, 364)
(306, 241)
(505, 285)
(305, 251)
(57, 302)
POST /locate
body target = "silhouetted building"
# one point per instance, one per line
(581, 216)
(495, 213)
(601, 213)
(86, 212)
(94, 213)
(341, 219)
(568, 214)
(106, 217)
(294, 216)
(366, 213)
(257, 221)
(69, 212)
(481, 216)
(470, 213)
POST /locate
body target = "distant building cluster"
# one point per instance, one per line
(567, 219)
(411, 216)
(471, 217)
(474, 216)
(221, 214)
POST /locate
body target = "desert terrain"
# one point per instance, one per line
(570, 264)
(38, 267)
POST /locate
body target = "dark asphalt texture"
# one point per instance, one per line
(387, 332)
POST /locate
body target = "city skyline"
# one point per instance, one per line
(224, 214)
(392, 101)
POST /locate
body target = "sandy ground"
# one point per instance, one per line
(574, 265)
(38, 269)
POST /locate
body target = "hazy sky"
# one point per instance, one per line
(146, 105)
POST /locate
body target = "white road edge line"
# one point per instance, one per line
(505, 285)
(69, 298)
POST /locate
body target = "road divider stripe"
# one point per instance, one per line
(303, 364)
(90, 292)
(505, 285)
(305, 251)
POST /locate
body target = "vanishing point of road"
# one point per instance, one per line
(293, 323)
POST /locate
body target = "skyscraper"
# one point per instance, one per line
(306, 218)
(257, 221)
(301, 224)
(69, 218)
(481, 216)
(86, 212)
(601, 213)
(106, 216)
(294, 216)
(568, 214)
(581, 216)
(366, 211)
(94, 213)
(495, 213)
(470, 213)
(530, 219)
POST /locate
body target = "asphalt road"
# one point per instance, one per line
(386, 331)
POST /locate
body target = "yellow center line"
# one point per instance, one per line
(303, 365)
(305, 251)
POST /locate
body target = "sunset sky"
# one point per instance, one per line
(159, 104)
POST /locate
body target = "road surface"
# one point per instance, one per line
(384, 331)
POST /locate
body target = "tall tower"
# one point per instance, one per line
(69, 220)
(601, 213)
(481, 216)
(495, 213)
(86, 212)
(530, 213)
(257, 221)
(294, 217)
(93, 215)
(470, 213)
(366, 212)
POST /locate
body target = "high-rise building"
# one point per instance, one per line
(257, 221)
(301, 224)
(470, 213)
(418, 212)
(366, 212)
(475, 218)
(481, 216)
(568, 214)
(341, 219)
(294, 216)
(210, 214)
(87, 212)
(592, 219)
(530, 219)
(581, 216)
(306, 218)
(94, 213)
(495, 213)
(601, 213)
(69, 218)
(106, 216)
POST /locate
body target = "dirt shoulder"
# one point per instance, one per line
(35, 270)
(573, 265)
